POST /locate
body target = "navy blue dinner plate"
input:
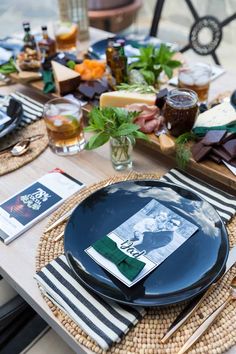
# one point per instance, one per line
(14, 110)
(187, 272)
(99, 47)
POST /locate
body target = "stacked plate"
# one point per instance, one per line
(10, 116)
(187, 272)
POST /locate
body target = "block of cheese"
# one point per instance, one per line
(123, 98)
(66, 80)
(222, 114)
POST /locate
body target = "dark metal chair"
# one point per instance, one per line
(214, 25)
(20, 325)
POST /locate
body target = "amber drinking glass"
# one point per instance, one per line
(64, 124)
(66, 35)
(196, 77)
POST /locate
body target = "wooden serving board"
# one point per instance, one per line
(25, 77)
(206, 169)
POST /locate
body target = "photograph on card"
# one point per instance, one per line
(150, 235)
(156, 231)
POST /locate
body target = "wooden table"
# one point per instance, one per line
(17, 260)
(219, 175)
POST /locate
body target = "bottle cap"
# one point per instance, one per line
(121, 42)
(116, 45)
(26, 26)
(110, 41)
(44, 28)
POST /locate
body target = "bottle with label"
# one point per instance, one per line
(123, 59)
(109, 52)
(47, 45)
(29, 40)
(119, 63)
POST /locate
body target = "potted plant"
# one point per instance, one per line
(117, 126)
(146, 71)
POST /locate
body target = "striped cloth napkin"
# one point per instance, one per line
(106, 321)
(224, 203)
(32, 110)
(103, 320)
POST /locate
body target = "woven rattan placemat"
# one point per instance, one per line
(10, 163)
(145, 336)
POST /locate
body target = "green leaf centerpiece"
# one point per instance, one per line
(117, 125)
(152, 61)
(112, 122)
(144, 74)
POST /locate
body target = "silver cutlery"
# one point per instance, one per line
(210, 320)
(186, 313)
(21, 146)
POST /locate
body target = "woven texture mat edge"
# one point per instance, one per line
(9, 163)
(145, 336)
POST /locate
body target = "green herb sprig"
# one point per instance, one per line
(152, 61)
(112, 122)
(71, 64)
(183, 153)
(8, 68)
(140, 88)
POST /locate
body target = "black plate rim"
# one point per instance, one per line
(104, 41)
(151, 304)
(13, 124)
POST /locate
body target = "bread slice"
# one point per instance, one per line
(66, 80)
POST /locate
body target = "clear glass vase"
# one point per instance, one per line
(121, 153)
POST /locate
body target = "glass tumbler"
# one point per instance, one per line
(63, 119)
(66, 35)
(196, 77)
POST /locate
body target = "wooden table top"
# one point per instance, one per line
(17, 260)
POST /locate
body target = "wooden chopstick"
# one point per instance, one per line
(59, 236)
(59, 221)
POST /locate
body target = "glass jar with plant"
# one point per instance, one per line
(145, 72)
(117, 125)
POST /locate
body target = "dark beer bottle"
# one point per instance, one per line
(29, 40)
(47, 45)
(109, 52)
(119, 63)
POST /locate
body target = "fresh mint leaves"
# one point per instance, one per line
(153, 61)
(112, 122)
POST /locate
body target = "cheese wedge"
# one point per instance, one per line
(66, 80)
(123, 98)
(222, 114)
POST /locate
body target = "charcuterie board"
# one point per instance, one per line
(208, 169)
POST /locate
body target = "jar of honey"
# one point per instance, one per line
(181, 111)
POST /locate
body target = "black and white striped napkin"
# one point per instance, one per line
(224, 203)
(32, 110)
(103, 320)
(106, 321)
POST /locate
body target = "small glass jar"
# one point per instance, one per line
(181, 111)
(121, 150)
